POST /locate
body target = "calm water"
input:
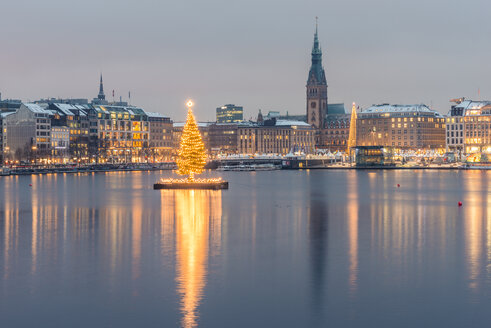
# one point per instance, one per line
(279, 249)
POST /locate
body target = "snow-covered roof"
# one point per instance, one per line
(72, 109)
(469, 104)
(65, 108)
(5, 114)
(291, 123)
(239, 124)
(155, 115)
(181, 124)
(119, 109)
(472, 108)
(51, 111)
(386, 108)
(35, 108)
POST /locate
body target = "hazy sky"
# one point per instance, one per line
(254, 53)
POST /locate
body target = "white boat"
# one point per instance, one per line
(266, 167)
(4, 171)
(247, 168)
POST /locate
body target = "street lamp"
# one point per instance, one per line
(34, 148)
(6, 156)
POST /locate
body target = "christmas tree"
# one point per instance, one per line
(352, 130)
(192, 154)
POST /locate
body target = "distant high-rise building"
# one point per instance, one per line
(316, 88)
(230, 114)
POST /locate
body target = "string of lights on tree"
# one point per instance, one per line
(192, 153)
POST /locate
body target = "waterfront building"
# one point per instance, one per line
(230, 114)
(468, 127)
(60, 144)
(28, 132)
(160, 137)
(334, 134)
(401, 126)
(223, 137)
(1, 140)
(455, 136)
(77, 118)
(4, 150)
(371, 156)
(123, 134)
(316, 88)
(276, 137)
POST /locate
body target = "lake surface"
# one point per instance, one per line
(336, 248)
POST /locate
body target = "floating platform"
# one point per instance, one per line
(191, 185)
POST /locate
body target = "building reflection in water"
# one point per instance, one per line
(197, 225)
(318, 233)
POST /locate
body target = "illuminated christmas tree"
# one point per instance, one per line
(191, 161)
(352, 130)
(192, 154)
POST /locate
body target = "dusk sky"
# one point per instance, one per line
(251, 53)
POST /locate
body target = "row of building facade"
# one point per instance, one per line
(59, 133)
(99, 131)
(466, 128)
(54, 132)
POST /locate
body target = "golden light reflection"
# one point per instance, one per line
(11, 227)
(34, 236)
(136, 234)
(353, 232)
(473, 228)
(198, 228)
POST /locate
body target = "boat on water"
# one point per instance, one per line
(4, 171)
(476, 166)
(251, 167)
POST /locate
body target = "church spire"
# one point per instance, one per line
(101, 95)
(316, 73)
(316, 48)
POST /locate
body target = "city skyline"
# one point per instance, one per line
(255, 56)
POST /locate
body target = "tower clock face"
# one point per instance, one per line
(312, 104)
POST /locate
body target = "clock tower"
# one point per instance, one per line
(316, 88)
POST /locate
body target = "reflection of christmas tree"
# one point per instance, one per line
(192, 155)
